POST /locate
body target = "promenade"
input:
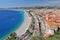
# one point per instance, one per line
(24, 26)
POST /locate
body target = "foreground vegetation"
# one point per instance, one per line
(56, 36)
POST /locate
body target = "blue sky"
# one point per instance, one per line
(24, 3)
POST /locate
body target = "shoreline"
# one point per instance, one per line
(25, 25)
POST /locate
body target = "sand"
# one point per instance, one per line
(22, 29)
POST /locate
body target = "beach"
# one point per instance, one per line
(22, 29)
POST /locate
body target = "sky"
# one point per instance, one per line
(27, 3)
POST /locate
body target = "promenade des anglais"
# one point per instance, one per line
(38, 24)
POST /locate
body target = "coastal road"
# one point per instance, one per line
(22, 29)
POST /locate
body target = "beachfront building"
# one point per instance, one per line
(51, 18)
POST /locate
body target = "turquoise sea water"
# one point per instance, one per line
(10, 20)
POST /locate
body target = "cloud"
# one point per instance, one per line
(50, 3)
(56, 2)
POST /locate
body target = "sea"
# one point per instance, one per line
(10, 20)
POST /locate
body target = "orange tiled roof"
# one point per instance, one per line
(51, 16)
(53, 20)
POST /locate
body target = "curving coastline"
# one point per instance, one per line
(22, 29)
